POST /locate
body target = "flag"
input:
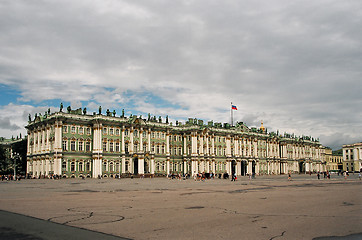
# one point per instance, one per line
(234, 107)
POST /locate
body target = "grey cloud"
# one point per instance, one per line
(294, 64)
(6, 124)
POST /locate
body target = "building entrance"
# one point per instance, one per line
(243, 168)
(253, 167)
(301, 167)
(233, 167)
(135, 165)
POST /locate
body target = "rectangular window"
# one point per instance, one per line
(104, 131)
(104, 146)
(88, 131)
(72, 145)
(81, 130)
(111, 131)
(117, 146)
(72, 166)
(180, 151)
(80, 146)
(144, 147)
(65, 128)
(80, 166)
(87, 146)
(117, 132)
(64, 166)
(88, 166)
(126, 132)
(111, 146)
(65, 145)
(73, 130)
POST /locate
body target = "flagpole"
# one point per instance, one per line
(231, 112)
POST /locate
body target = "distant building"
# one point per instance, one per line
(14, 151)
(75, 144)
(352, 157)
(334, 162)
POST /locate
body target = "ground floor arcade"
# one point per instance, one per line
(139, 164)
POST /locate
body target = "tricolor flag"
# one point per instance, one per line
(234, 107)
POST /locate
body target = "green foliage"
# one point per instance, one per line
(7, 163)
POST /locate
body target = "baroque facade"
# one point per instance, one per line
(334, 162)
(76, 144)
(352, 157)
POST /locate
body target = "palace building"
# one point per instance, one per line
(352, 157)
(76, 144)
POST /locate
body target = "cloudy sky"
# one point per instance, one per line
(296, 65)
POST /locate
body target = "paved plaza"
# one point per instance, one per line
(267, 207)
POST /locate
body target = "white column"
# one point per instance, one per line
(213, 146)
(149, 140)
(58, 131)
(152, 166)
(168, 167)
(123, 143)
(228, 147)
(140, 148)
(141, 165)
(130, 145)
(207, 146)
(97, 150)
(193, 144)
(236, 147)
(167, 144)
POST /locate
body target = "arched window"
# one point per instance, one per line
(111, 169)
(104, 166)
(64, 166)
